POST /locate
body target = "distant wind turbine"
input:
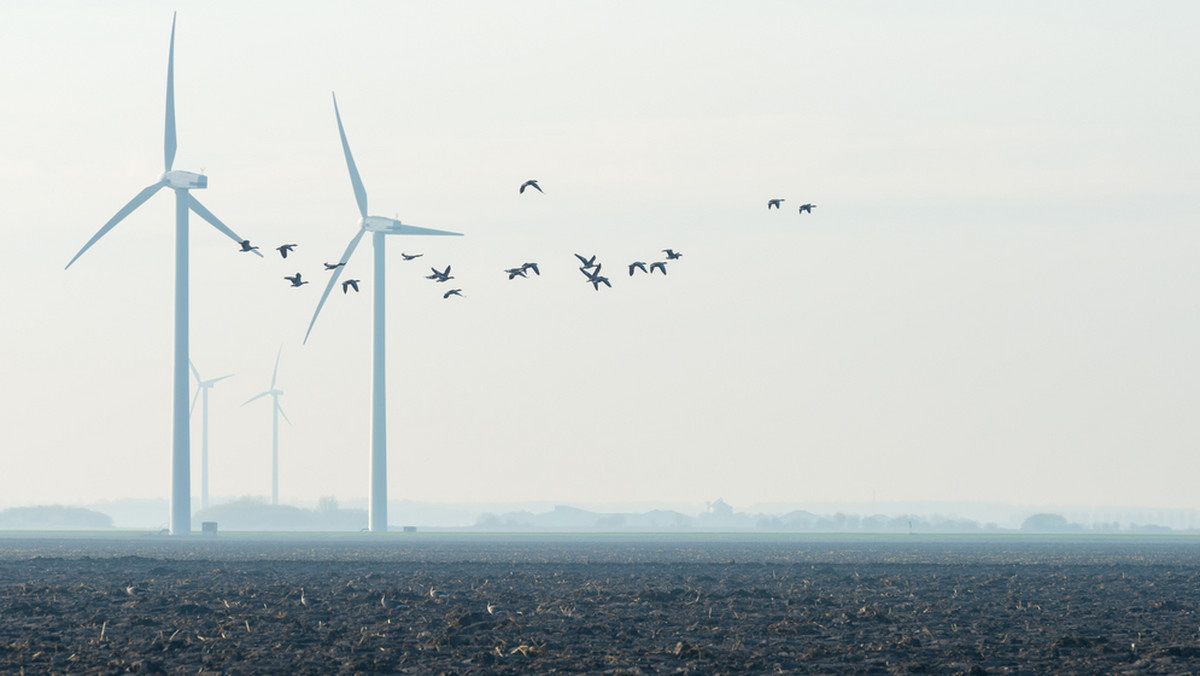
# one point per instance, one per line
(203, 386)
(181, 182)
(379, 226)
(276, 411)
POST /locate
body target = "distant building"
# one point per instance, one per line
(720, 508)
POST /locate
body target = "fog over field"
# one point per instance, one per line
(994, 301)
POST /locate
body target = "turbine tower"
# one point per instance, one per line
(182, 182)
(276, 411)
(379, 226)
(203, 386)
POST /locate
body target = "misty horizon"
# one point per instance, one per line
(991, 302)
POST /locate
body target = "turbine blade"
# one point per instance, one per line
(216, 222)
(134, 203)
(217, 380)
(333, 280)
(398, 228)
(280, 409)
(275, 373)
(257, 396)
(360, 193)
(193, 408)
(169, 136)
(194, 371)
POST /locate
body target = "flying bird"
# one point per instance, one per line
(439, 276)
(409, 257)
(531, 266)
(334, 266)
(531, 183)
(595, 278)
(671, 254)
(246, 246)
(295, 280)
(774, 203)
(658, 265)
(587, 262)
(350, 283)
(636, 265)
(285, 249)
(453, 292)
(515, 272)
(807, 208)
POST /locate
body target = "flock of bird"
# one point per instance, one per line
(591, 269)
(588, 265)
(775, 204)
(297, 279)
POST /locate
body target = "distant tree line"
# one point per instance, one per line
(53, 517)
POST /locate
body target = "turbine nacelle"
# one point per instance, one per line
(392, 226)
(185, 180)
(379, 224)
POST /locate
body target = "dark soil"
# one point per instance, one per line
(635, 604)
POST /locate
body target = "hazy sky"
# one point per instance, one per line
(996, 298)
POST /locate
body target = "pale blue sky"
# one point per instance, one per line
(995, 299)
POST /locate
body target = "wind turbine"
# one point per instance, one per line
(379, 226)
(181, 182)
(276, 411)
(203, 386)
